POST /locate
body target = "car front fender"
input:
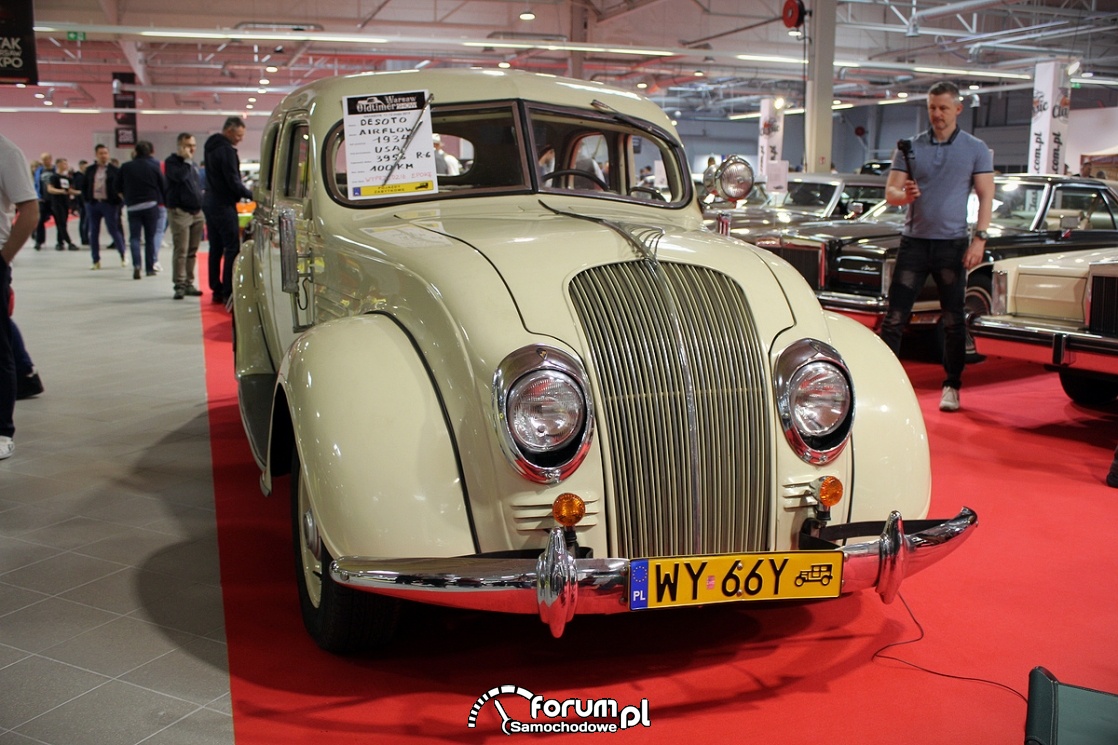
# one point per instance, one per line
(378, 456)
(892, 463)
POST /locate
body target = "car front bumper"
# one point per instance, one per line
(557, 585)
(1047, 342)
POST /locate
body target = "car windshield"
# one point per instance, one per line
(804, 196)
(482, 150)
(1015, 206)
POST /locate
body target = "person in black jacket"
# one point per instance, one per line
(143, 187)
(61, 192)
(102, 202)
(184, 204)
(77, 180)
(224, 189)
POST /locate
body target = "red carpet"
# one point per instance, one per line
(1036, 585)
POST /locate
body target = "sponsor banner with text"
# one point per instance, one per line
(17, 43)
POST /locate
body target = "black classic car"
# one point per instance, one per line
(849, 263)
(808, 197)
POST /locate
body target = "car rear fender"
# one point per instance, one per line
(892, 467)
(250, 350)
(380, 463)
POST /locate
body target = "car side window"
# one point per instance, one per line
(267, 156)
(297, 178)
(1089, 206)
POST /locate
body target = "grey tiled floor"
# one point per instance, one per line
(111, 625)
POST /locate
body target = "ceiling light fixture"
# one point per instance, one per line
(264, 81)
(528, 15)
(271, 68)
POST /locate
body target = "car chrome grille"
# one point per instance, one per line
(684, 407)
(807, 261)
(1104, 306)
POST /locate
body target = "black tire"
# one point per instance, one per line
(339, 619)
(1088, 390)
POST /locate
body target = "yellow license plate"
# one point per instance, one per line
(698, 580)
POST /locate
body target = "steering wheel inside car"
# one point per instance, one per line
(575, 172)
(656, 193)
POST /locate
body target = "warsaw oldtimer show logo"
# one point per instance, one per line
(551, 716)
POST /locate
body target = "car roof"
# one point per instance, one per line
(865, 179)
(468, 86)
(1052, 178)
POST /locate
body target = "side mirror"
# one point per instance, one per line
(734, 178)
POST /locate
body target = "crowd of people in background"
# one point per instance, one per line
(144, 199)
(148, 196)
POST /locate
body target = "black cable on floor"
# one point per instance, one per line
(920, 627)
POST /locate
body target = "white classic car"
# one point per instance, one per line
(1060, 310)
(517, 379)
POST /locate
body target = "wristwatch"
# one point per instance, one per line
(981, 234)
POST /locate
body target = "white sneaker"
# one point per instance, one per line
(157, 266)
(7, 448)
(949, 401)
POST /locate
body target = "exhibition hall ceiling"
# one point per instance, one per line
(702, 58)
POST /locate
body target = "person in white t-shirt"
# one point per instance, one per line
(445, 163)
(18, 197)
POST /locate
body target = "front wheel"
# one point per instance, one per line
(1088, 390)
(339, 619)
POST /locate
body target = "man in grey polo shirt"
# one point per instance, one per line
(935, 181)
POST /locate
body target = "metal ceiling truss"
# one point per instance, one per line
(707, 57)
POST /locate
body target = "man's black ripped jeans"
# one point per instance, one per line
(943, 260)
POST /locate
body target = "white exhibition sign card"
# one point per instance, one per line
(389, 148)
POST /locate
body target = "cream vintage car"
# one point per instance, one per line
(1059, 310)
(519, 379)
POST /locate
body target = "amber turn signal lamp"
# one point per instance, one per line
(828, 490)
(568, 509)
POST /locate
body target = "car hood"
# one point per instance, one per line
(869, 237)
(845, 231)
(537, 247)
(1067, 263)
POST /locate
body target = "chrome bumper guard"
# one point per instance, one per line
(557, 585)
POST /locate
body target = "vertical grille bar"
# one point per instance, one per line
(684, 407)
(808, 261)
(1104, 306)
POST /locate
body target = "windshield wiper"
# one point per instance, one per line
(408, 139)
(625, 118)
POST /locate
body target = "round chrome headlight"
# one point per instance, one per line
(819, 399)
(815, 400)
(735, 178)
(545, 410)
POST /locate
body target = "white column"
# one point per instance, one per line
(818, 124)
(1048, 137)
